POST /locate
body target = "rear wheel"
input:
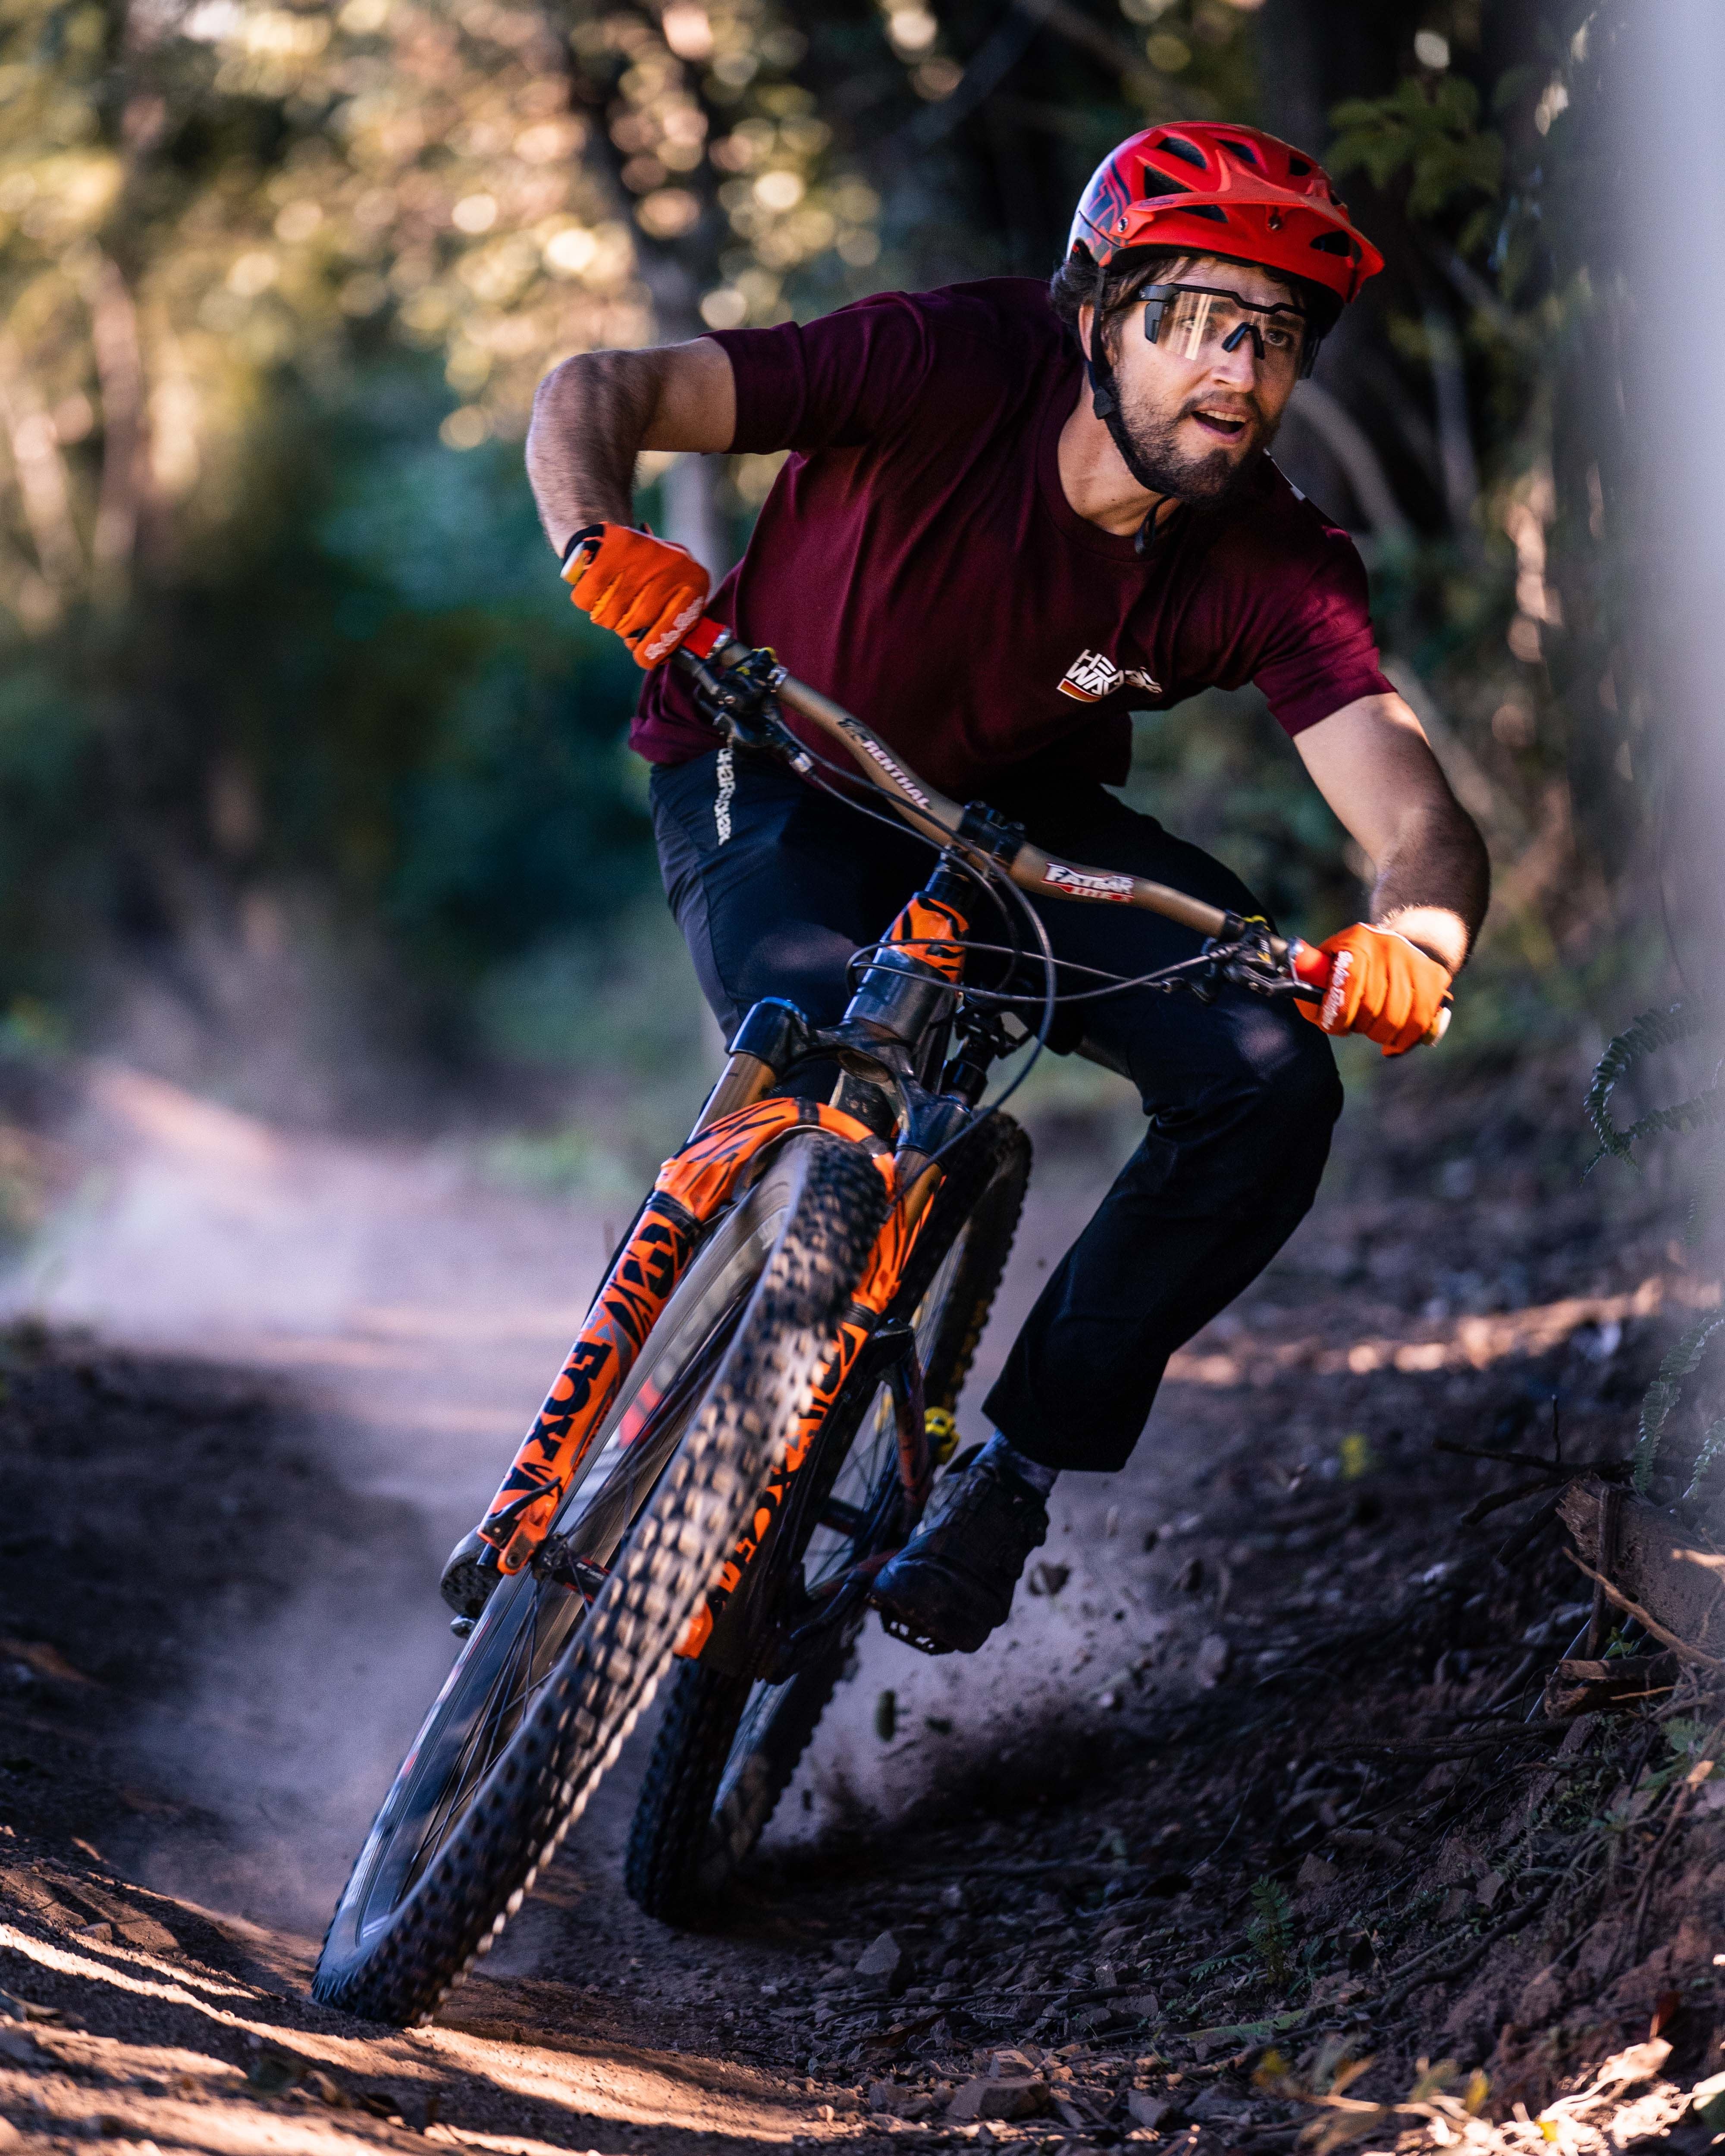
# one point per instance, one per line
(567, 1654)
(730, 1741)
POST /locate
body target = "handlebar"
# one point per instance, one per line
(709, 650)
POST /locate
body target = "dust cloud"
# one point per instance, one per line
(412, 1312)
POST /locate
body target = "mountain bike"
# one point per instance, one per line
(749, 1424)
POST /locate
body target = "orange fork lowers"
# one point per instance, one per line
(688, 1189)
(874, 1291)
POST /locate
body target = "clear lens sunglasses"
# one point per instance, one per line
(1195, 321)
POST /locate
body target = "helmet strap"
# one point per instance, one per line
(1105, 403)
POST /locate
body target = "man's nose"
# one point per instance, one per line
(1237, 367)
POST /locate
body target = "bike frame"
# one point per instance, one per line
(904, 995)
(896, 1036)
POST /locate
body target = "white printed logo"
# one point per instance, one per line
(1093, 675)
(681, 624)
(900, 777)
(1087, 883)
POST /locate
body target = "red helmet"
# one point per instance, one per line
(1208, 188)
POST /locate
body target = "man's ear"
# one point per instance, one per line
(1086, 327)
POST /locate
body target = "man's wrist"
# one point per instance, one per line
(1440, 933)
(587, 518)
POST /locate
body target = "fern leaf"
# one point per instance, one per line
(1701, 1113)
(1644, 1036)
(1682, 1361)
(1711, 1454)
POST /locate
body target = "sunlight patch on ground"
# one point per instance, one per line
(1459, 1343)
(609, 2087)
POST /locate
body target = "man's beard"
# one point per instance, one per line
(1145, 441)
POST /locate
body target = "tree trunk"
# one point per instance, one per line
(42, 488)
(120, 370)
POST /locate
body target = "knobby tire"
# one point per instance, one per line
(685, 1844)
(579, 1717)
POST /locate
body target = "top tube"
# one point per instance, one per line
(930, 812)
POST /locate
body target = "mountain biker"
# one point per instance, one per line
(1003, 526)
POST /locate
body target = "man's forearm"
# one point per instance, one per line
(590, 419)
(1434, 885)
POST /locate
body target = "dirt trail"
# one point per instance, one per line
(1221, 1791)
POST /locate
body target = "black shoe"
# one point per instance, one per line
(470, 1576)
(952, 1584)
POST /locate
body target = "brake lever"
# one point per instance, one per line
(741, 700)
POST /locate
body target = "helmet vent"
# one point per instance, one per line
(1335, 242)
(1188, 153)
(1209, 210)
(1298, 169)
(1243, 150)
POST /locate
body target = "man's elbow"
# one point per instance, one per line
(575, 382)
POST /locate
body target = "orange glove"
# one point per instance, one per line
(1380, 985)
(650, 591)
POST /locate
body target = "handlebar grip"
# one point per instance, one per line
(1308, 962)
(704, 638)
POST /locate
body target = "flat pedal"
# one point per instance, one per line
(895, 1628)
(470, 1579)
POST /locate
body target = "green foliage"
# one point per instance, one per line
(1707, 1483)
(1645, 1036)
(376, 691)
(1431, 133)
(1270, 1929)
(1682, 1360)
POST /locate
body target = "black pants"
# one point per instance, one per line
(1241, 1093)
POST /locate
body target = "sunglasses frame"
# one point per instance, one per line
(1156, 298)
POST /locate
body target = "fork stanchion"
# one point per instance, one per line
(745, 1079)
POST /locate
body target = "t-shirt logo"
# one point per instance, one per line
(1092, 675)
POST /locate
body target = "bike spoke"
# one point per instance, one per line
(491, 1731)
(647, 1440)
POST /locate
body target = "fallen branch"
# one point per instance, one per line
(1646, 1552)
(1582, 1685)
(1437, 1749)
(1554, 1468)
(1530, 1529)
(1499, 1498)
(1678, 1646)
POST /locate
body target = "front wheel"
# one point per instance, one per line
(567, 1654)
(730, 1743)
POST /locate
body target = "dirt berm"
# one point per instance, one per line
(1283, 1825)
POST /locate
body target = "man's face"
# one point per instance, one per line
(1198, 422)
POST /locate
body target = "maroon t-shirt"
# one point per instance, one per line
(918, 561)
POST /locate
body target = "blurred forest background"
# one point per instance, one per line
(312, 788)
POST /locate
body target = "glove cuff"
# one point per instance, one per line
(578, 538)
(1431, 957)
